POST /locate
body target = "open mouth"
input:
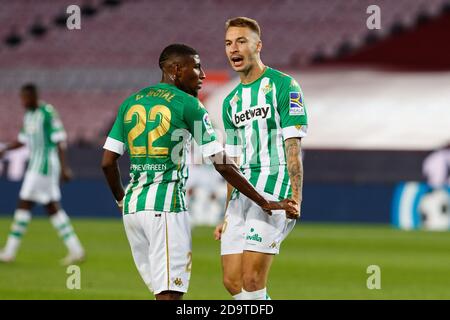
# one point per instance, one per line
(237, 61)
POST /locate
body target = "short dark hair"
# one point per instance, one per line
(29, 87)
(176, 49)
(244, 22)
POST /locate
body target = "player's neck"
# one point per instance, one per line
(252, 73)
(167, 80)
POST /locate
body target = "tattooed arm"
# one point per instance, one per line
(295, 170)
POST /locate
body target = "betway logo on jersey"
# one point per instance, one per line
(253, 113)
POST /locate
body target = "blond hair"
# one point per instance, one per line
(244, 22)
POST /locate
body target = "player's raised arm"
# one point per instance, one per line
(230, 172)
(19, 142)
(196, 115)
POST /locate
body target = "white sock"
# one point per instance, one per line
(61, 223)
(18, 228)
(238, 296)
(254, 295)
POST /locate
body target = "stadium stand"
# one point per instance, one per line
(294, 27)
(81, 74)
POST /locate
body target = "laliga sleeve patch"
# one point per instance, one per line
(207, 124)
(296, 104)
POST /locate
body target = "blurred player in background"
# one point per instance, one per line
(155, 125)
(45, 137)
(264, 119)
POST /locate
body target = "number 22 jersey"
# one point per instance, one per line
(156, 126)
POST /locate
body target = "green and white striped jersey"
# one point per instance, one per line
(155, 126)
(257, 118)
(42, 130)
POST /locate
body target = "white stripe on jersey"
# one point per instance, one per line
(132, 204)
(35, 122)
(126, 192)
(169, 192)
(54, 166)
(31, 142)
(248, 129)
(41, 142)
(153, 189)
(264, 156)
(233, 104)
(280, 147)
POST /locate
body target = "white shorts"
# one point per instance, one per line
(162, 250)
(40, 188)
(248, 227)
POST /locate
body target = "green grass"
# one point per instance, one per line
(317, 261)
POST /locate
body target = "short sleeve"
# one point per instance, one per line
(56, 132)
(199, 125)
(115, 141)
(233, 143)
(292, 109)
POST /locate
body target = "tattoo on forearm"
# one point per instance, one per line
(295, 166)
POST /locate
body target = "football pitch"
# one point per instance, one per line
(317, 261)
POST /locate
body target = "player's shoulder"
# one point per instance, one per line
(183, 102)
(280, 77)
(194, 104)
(135, 96)
(186, 98)
(177, 100)
(231, 95)
(171, 93)
(47, 108)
